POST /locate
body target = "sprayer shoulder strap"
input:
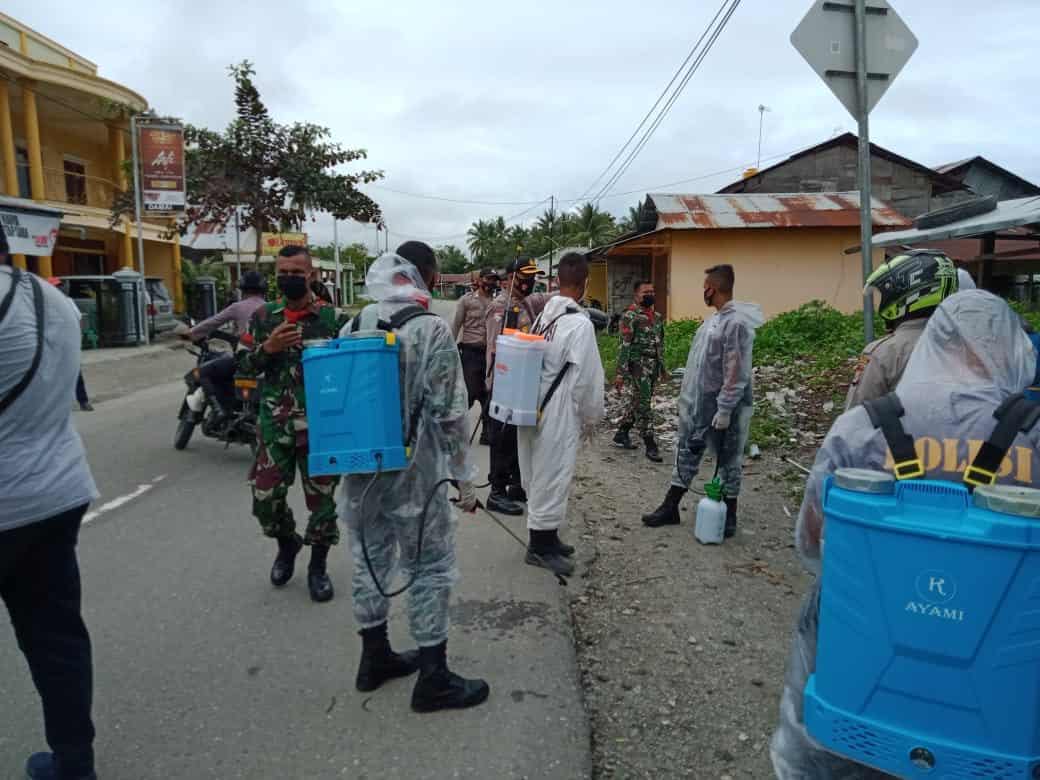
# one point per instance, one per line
(15, 392)
(886, 413)
(1017, 414)
(397, 321)
(553, 387)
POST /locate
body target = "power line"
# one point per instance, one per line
(667, 107)
(657, 102)
(459, 200)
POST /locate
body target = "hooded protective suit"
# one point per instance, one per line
(548, 451)
(718, 378)
(972, 355)
(432, 381)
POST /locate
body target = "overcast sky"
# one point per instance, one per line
(516, 102)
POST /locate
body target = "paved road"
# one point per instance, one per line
(205, 671)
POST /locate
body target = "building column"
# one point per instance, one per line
(32, 142)
(128, 245)
(178, 282)
(7, 150)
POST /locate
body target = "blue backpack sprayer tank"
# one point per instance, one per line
(928, 654)
(355, 416)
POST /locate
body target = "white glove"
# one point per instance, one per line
(721, 420)
(467, 498)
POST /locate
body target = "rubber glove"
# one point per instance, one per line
(467, 498)
(721, 420)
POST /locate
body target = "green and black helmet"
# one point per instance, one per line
(913, 282)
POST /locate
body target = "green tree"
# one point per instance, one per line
(630, 222)
(484, 240)
(589, 227)
(277, 173)
(452, 260)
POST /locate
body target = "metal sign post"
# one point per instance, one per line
(142, 331)
(238, 253)
(339, 268)
(857, 47)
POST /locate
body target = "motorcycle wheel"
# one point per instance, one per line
(184, 430)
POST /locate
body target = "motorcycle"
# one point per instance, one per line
(197, 408)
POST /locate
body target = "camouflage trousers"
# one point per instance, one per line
(391, 537)
(638, 395)
(282, 450)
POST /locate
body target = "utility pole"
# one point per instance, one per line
(552, 247)
(866, 217)
(761, 119)
(238, 251)
(339, 268)
(142, 310)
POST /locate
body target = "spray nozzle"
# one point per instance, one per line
(714, 489)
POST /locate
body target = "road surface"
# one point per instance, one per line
(203, 670)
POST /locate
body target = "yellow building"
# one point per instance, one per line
(64, 136)
(786, 250)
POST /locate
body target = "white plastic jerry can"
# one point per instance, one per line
(711, 515)
(518, 377)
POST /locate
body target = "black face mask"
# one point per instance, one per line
(292, 287)
(525, 287)
(648, 301)
(709, 296)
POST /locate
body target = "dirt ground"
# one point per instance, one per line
(682, 647)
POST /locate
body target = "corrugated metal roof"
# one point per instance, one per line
(799, 209)
(1007, 214)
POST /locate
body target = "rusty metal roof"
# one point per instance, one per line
(795, 210)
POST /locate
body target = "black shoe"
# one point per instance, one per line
(86, 407)
(318, 582)
(731, 518)
(440, 689)
(285, 563)
(501, 503)
(516, 493)
(668, 512)
(622, 440)
(562, 547)
(550, 559)
(43, 766)
(379, 663)
(652, 453)
(485, 436)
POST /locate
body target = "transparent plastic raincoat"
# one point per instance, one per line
(972, 355)
(718, 378)
(431, 382)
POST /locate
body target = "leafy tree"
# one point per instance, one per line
(452, 260)
(277, 173)
(589, 227)
(484, 240)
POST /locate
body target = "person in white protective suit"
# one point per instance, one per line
(972, 355)
(397, 510)
(716, 399)
(964, 280)
(572, 405)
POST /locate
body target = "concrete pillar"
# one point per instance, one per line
(32, 142)
(7, 150)
(128, 245)
(178, 283)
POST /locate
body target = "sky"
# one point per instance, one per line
(517, 102)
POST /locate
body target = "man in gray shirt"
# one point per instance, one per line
(45, 487)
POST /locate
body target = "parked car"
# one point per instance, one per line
(160, 306)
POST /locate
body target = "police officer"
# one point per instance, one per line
(910, 285)
(640, 365)
(970, 358)
(470, 333)
(518, 308)
(275, 340)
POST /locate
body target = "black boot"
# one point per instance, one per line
(285, 562)
(622, 440)
(318, 581)
(652, 453)
(440, 689)
(542, 551)
(731, 518)
(379, 663)
(668, 512)
(499, 502)
(562, 547)
(516, 493)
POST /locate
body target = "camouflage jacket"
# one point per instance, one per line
(282, 397)
(642, 338)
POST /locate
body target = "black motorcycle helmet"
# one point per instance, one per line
(253, 281)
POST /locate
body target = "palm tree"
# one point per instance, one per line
(591, 227)
(516, 239)
(630, 222)
(482, 238)
(452, 260)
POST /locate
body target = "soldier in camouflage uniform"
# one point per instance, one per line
(640, 365)
(275, 340)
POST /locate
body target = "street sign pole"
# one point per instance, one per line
(142, 329)
(339, 268)
(866, 218)
(238, 250)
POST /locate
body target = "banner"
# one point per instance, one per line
(30, 232)
(162, 167)
(271, 243)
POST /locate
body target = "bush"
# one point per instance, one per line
(678, 336)
(814, 331)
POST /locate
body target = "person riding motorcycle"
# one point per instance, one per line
(217, 377)
(911, 286)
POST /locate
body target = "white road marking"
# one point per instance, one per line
(115, 503)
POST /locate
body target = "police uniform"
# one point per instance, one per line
(882, 363)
